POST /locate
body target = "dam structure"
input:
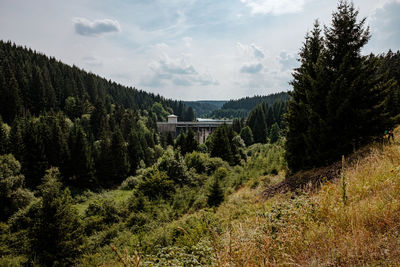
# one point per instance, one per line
(201, 127)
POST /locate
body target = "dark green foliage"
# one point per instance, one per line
(338, 96)
(191, 143)
(4, 138)
(257, 123)
(189, 115)
(224, 143)
(120, 162)
(173, 165)
(215, 194)
(263, 117)
(228, 113)
(238, 124)
(170, 139)
(274, 133)
(248, 103)
(135, 151)
(220, 144)
(187, 143)
(204, 107)
(156, 184)
(13, 195)
(81, 164)
(10, 99)
(56, 234)
(247, 135)
(390, 65)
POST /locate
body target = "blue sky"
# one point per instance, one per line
(186, 49)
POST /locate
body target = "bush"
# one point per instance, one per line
(130, 183)
(197, 160)
(156, 184)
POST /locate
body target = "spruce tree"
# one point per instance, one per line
(257, 123)
(338, 96)
(119, 154)
(220, 145)
(274, 133)
(356, 93)
(81, 165)
(247, 135)
(297, 117)
(56, 234)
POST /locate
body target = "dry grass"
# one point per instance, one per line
(317, 228)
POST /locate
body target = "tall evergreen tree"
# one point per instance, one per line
(220, 145)
(81, 165)
(56, 234)
(297, 117)
(119, 161)
(338, 95)
(247, 135)
(257, 123)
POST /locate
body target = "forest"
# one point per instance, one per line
(86, 179)
(241, 108)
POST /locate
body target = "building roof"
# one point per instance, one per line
(172, 116)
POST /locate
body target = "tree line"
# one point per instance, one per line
(241, 108)
(341, 99)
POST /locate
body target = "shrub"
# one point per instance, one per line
(130, 183)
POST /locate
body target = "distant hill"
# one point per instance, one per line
(248, 103)
(37, 83)
(240, 108)
(203, 107)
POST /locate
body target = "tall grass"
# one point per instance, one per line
(316, 229)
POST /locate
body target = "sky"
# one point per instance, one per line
(186, 49)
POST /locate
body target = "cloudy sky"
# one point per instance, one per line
(186, 49)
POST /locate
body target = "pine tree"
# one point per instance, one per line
(135, 151)
(355, 101)
(56, 234)
(247, 135)
(81, 165)
(297, 117)
(257, 123)
(119, 161)
(220, 145)
(13, 195)
(170, 139)
(274, 133)
(338, 98)
(190, 143)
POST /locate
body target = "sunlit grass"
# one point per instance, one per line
(316, 229)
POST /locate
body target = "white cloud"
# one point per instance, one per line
(92, 61)
(251, 68)
(178, 71)
(97, 27)
(258, 52)
(275, 7)
(252, 50)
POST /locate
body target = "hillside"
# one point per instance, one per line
(33, 83)
(352, 220)
(240, 108)
(203, 107)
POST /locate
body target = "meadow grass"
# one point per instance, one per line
(317, 228)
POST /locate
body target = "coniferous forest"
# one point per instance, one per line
(87, 180)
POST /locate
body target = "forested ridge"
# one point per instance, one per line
(57, 115)
(86, 179)
(240, 108)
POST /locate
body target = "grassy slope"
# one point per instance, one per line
(312, 228)
(317, 228)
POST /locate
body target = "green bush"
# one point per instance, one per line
(156, 184)
(130, 183)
